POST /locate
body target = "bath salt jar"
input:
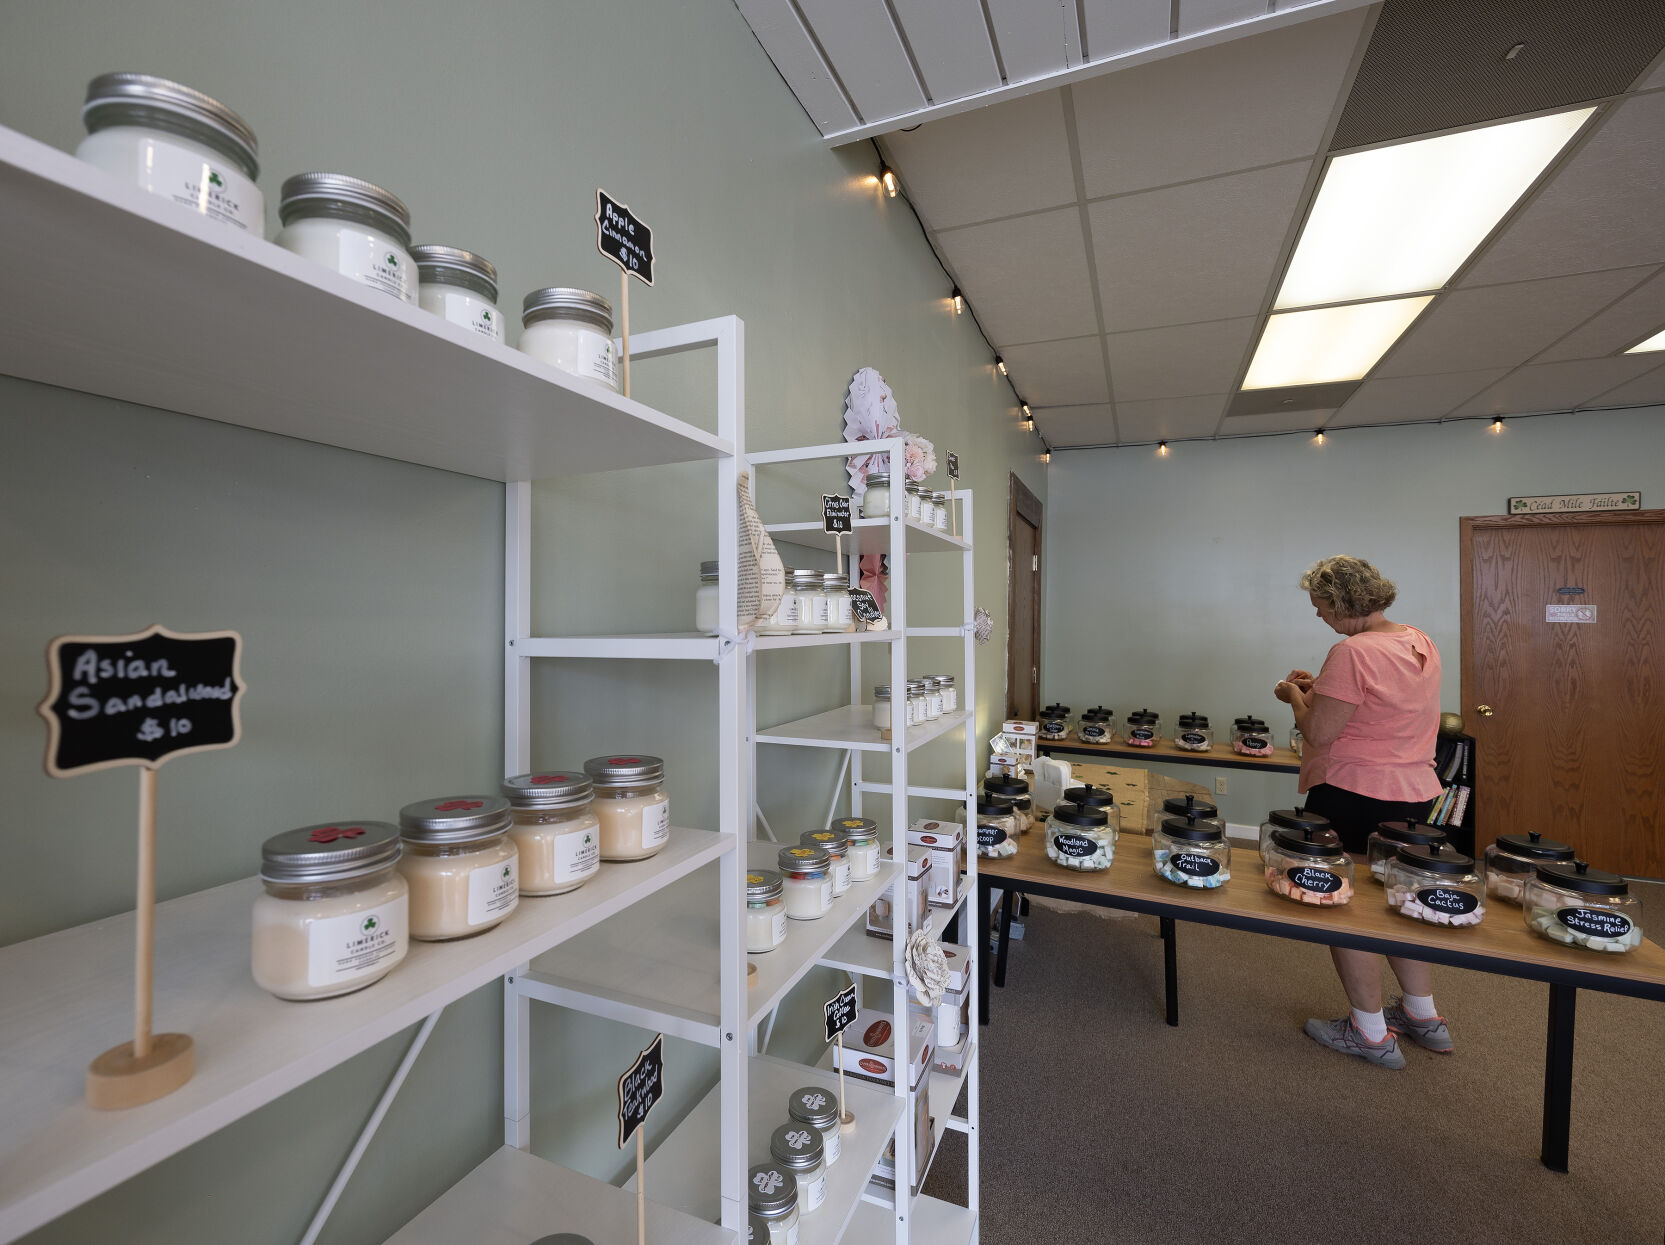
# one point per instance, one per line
(862, 837)
(812, 602)
(881, 710)
(818, 1108)
(1055, 722)
(997, 829)
(1570, 903)
(458, 286)
(1189, 806)
(1192, 733)
(1095, 727)
(1144, 728)
(1080, 838)
(875, 502)
(1310, 867)
(840, 615)
(807, 872)
(914, 499)
(1011, 792)
(351, 226)
(1436, 884)
(1251, 737)
(1189, 851)
(765, 910)
(784, 621)
(334, 913)
(772, 1199)
(1389, 836)
(462, 867)
(176, 143)
(631, 803)
(1513, 860)
(706, 611)
(1101, 799)
(950, 693)
(572, 330)
(555, 833)
(1288, 819)
(798, 1148)
(834, 843)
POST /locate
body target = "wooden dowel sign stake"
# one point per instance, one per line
(642, 1085)
(625, 240)
(840, 1011)
(141, 699)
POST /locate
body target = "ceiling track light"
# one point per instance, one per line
(888, 180)
(959, 300)
(1000, 365)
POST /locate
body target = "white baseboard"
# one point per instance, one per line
(1243, 834)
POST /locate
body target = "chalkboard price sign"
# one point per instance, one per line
(835, 513)
(622, 238)
(840, 1011)
(140, 699)
(865, 607)
(953, 465)
(642, 1085)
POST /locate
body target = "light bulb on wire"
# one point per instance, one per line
(959, 300)
(1318, 437)
(1162, 448)
(888, 179)
(1497, 424)
(1000, 365)
(1028, 415)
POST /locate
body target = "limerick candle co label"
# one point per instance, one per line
(622, 238)
(1444, 899)
(1075, 844)
(642, 1085)
(1198, 866)
(1594, 923)
(1319, 881)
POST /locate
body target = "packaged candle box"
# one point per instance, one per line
(946, 841)
(881, 914)
(869, 1050)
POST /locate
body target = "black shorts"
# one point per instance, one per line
(1355, 816)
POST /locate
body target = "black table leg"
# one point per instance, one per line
(981, 925)
(1023, 905)
(1170, 968)
(1558, 1068)
(1007, 901)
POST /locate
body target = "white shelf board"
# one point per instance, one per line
(868, 536)
(113, 291)
(514, 1197)
(683, 1169)
(933, 1222)
(816, 641)
(669, 646)
(67, 996)
(858, 953)
(851, 726)
(668, 950)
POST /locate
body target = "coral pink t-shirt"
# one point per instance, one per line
(1386, 750)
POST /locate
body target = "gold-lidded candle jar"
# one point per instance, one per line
(631, 804)
(461, 865)
(555, 832)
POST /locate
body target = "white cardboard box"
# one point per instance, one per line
(884, 1171)
(959, 965)
(870, 1047)
(946, 841)
(951, 1059)
(880, 916)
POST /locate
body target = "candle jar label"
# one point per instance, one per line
(493, 890)
(576, 855)
(1594, 922)
(656, 825)
(366, 258)
(1319, 881)
(1195, 865)
(1075, 844)
(1444, 899)
(340, 949)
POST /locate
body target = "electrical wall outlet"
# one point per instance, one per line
(1220, 785)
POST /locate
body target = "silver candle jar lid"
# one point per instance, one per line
(564, 302)
(796, 1147)
(451, 265)
(338, 196)
(336, 851)
(455, 819)
(549, 789)
(625, 771)
(145, 100)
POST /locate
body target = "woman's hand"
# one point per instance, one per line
(1301, 679)
(1293, 695)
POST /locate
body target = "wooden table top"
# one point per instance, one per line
(1502, 937)
(1220, 755)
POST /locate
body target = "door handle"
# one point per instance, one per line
(1484, 711)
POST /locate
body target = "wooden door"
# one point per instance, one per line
(1023, 603)
(1564, 642)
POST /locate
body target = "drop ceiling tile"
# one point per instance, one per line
(1066, 373)
(1637, 315)
(1502, 325)
(1602, 210)
(1203, 251)
(1236, 105)
(1646, 390)
(1555, 386)
(1117, 26)
(1180, 361)
(1276, 421)
(1404, 398)
(1171, 419)
(1077, 425)
(996, 161)
(1655, 80)
(1026, 277)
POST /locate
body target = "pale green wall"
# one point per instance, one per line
(1173, 581)
(369, 592)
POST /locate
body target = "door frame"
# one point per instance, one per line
(1021, 503)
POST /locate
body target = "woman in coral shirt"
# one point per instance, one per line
(1369, 718)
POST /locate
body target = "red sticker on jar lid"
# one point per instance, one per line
(329, 834)
(541, 779)
(458, 806)
(624, 760)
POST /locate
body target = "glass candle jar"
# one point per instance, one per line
(631, 803)
(1189, 851)
(334, 915)
(1100, 799)
(772, 1197)
(913, 497)
(1200, 811)
(706, 608)
(1434, 883)
(836, 846)
(461, 865)
(1513, 861)
(950, 693)
(927, 507)
(1288, 819)
(840, 615)
(1080, 838)
(1095, 727)
(351, 226)
(1388, 837)
(572, 330)
(997, 829)
(807, 872)
(881, 710)
(933, 698)
(458, 286)
(875, 502)
(1192, 733)
(1569, 902)
(556, 835)
(1144, 728)
(818, 1108)
(177, 143)
(765, 910)
(1251, 737)
(917, 703)
(939, 517)
(862, 836)
(784, 621)
(798, 1149)
(1055, 722)
(1011, 792)
(812, 602)
(1310, 867)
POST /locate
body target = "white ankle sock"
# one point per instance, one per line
(1371, 1024)
(1418, 1006)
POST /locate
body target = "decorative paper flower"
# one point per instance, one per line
(869, 415)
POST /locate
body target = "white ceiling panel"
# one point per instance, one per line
(1026, 277)
(1234, 106)
(951, 46)
(1065, 373)
(1635, 316)
(863, 45)
(1203, 251)
(1275, 421)
(1196, 16)
(987, 163)
(1117, 26)
(1036, 37)
(776, 25)
(1645, 390)
(1656, 79)
(1555, 386)
(1171, 419)
(1077, 425)
(1403, 398)
(1180, 361)
(1602, 210)
(1503, 325)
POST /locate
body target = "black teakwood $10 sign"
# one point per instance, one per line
(642, 1085)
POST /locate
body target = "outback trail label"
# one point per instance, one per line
(1195, 865)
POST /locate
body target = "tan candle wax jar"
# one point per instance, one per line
(631, 805)
(556, 834)
(462, 867)
(334, 914)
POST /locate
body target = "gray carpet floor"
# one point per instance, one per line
(1101, 1124)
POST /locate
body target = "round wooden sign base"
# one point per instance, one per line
(847, 1122)
(116, 1080)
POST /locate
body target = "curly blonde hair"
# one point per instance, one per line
(1350, 586)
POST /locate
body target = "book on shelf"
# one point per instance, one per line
(1460, 807)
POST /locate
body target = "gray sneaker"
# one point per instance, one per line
(1343, 1035)
(1431, 1034)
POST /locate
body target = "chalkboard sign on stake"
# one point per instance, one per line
(140, 699)
(641, 1086)
(835, 513)
(953, 475)
(840, 1011)
(628, 242)
(865, 607)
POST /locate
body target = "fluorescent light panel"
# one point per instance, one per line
(1329, 343)
(1656, 342)
(1402, 219)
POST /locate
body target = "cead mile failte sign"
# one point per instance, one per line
(1576, 503)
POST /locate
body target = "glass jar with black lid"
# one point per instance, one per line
(1200, 811)
(1096, 725)
(1012, 791)
(1080, 838)
(1193, 733)
(1189, 851)
(1309, 866)
(1513, 861)
(1435, 883)
(1251, 737)
(997, 829)
(1389, 836)
(1101, 799)
(1289, 819)
(1144, 728)
(1570, 903)
(1055, 722)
